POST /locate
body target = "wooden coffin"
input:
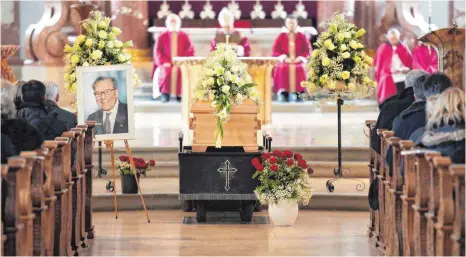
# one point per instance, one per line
(240, 130)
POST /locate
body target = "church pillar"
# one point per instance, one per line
(367, 19)
(326, 9)
(132, 18)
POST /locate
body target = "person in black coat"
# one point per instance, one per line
(52, 96)
(414, 81)
(414, 117)
(34, 110)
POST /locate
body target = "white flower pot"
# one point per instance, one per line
(284, 213)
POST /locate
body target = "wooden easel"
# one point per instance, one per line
(109, 144)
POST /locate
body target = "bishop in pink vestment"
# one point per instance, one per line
(293, 48)
(425, 58)
(240, 43)
(392, 61)
(171, 43)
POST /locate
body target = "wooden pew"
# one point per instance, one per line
(431, 214)
(409, 192)
(421, 201)
(26, 212)
(68, 197)
(394, 203)
(372, 156)
(81, 171)
(50, 198)
(3, 177)
(447, 213)
(381, 176)
(16, 236)
(38, 199)
(384, 192)
(60, 180)
(76, 192)
(88, 155)
(458, 174)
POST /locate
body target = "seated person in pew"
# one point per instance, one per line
(35, 112)
(17, 134)
(52, 95)
(414, 116)
(444, 131)
(413, 91)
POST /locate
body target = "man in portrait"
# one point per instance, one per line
(112, 117)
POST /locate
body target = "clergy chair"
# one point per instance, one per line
(69, 138)
(409, 191)
(50, 198)
(61, 192)
(421, 202)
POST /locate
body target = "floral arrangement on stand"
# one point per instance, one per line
(97, 45)
(283, 176)
(142, 167)
(225, 82)
(340, 62)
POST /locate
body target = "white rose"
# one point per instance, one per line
(234, 78)
(225, 89)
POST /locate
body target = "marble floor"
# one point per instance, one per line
(314, 233)
(288, 129)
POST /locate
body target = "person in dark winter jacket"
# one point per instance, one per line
(35, 112)
(52, 95)
(17, 134)
(414, 81)
(414, 117)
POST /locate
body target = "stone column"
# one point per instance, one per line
(326, 9)
(132, 18)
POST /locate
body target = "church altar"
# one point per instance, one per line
(260, 69)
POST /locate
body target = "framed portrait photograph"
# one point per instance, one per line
(105, 95)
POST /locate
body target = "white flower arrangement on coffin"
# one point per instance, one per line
(340, 61)
(98, 45)
(225, 82)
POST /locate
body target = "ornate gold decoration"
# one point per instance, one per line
(7, 52)
(139, 55)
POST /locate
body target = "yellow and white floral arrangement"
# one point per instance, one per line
(225, 82)
(97, 45)
(340, 56)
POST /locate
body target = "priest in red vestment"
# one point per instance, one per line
(292, 47)
(392, 61)
(171, 43)
(425, 58)
(240, 43)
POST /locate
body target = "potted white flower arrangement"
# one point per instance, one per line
(224, 83)
(340, 62)
(284, 182)
(97, 45)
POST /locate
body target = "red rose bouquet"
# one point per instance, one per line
(283, 176)
(124, 166)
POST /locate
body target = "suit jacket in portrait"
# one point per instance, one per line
(121, 120)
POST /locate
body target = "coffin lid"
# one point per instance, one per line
(248, 106)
